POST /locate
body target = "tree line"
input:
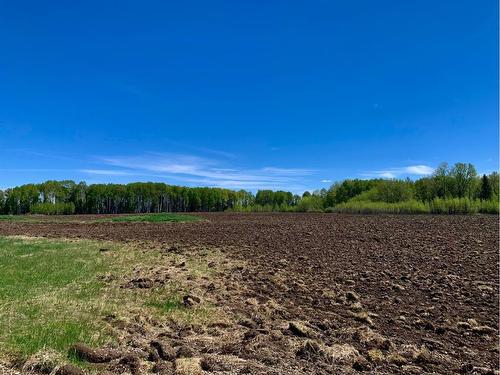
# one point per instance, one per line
(455, 189)
(450, 189)
(459, 181)
(68, 197)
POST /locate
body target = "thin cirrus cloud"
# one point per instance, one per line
(195, 170)
(109, 172)
(411, 170)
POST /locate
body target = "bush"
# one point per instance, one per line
(454, 206)
(53, 208)
(488, 207)
(262, 208)
(408, 207)
(447, 206)
(313, 203)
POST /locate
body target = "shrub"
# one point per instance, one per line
(488, 207)
(447, 206)
(262, 208)
(313, 203)
(454, 206)
(408, 207)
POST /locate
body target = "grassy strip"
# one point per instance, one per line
(14, 218)
(152, 218)
(41, 218)
(143, 218)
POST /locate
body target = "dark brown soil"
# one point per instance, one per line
(326, 293)
(85, 353)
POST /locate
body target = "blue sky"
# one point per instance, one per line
(261, 94)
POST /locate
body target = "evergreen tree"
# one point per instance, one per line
(485, 191)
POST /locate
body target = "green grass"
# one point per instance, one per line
(14, 218)
(48, 295)
(166, 305)
(39, 218)
(152, 218)
(51, 295)
(142, 218)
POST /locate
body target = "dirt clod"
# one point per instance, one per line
(165, 351)
(141, 283)
(301, 329)
(163, 368)
(483, 330)
(69, 370)
(85, 353)
(184, 351)
(191, 300)
(132, 362)
(351, 296)
(361, 364)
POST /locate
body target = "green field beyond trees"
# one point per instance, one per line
(450, 190)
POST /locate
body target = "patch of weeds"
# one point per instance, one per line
(151, 218)
(166, 305)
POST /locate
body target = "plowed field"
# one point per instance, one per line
(322, 293)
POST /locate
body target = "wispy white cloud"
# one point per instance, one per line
(411, 170)
(288, 171)
(109, 172)
(215, 152)
(420, 170)
(326, 181)
(198, 170)
(385, 174)
(22, 170)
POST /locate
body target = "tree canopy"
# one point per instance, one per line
(51, 197)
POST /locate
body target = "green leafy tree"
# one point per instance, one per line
(495, 185)
(424, 189)
(463, 176)
(441, 181)
(342, 192)
(447, 191)
(2, 201)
